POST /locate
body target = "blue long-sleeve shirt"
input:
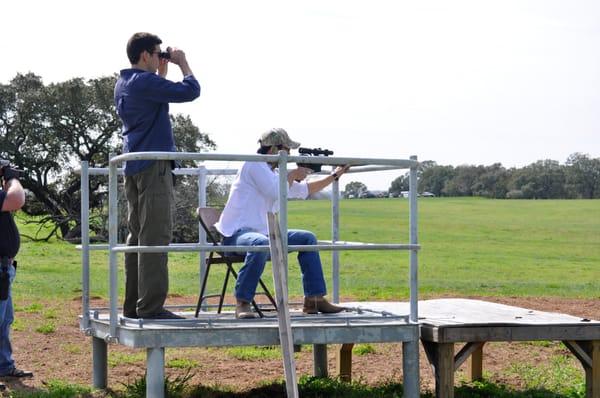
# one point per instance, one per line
(142, 100)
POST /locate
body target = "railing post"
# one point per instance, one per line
(414, 265)
(335, 236)
(201, 233)
(410, 349)
(113, 221)
(85, 246)
(283, 205)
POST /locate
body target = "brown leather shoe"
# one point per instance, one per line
(243, 310)
(316, 304)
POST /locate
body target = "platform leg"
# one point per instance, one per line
(475, 366)
(320, 360)
(410, 368)
(344, 362)
(99, 363)
(592, 374)
(441, 357)
(155, 372)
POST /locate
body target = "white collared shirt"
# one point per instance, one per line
(254, 192)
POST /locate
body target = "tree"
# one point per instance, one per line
(399, 184)
(48, 130)
(356, 189)
(583, 176)
(544, 179)
(434, 179)
(463, 181)
(493, 182)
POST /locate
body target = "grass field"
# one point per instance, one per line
(470, 246)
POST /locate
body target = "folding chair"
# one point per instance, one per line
(208, 216)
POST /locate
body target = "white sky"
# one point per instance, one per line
(458, 82)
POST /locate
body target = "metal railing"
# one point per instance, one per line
(282, 159)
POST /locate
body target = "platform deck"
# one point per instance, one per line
(445, 322)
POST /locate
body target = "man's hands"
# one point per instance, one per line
(340, 170)
(178, 58)
(163, 67)
(298, 174)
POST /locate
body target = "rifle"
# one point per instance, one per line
(315, 167)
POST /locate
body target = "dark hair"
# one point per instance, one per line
(264, 149)
(140, 42)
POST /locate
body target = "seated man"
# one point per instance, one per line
(243, 222)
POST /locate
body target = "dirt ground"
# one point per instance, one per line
(65, 354)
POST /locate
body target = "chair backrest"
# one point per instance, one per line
(208, 216)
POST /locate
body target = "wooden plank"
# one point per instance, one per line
(594, 381)
(344, 362)
(441, 358)
(465, 353)
(320, 360)
(578, 349)
(283, 313)
(475, 366)
(477, 312)
(444, 385)
(455, 334)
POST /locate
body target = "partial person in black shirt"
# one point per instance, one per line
(12, 197)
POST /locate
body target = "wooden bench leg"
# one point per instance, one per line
(592, 375)
(441, 358)
(320, 360)
(475, 366)
(588, 353)
(344, 362)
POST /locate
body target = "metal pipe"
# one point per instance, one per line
(113, 212)
(179, 171)
(191, 247)
(155, 372)
(414, 265)
(85, 246)
(335, 236)
(201, 233)
(283, 206)
(339, 161)
(99, 363)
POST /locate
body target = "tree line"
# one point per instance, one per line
(578, 178)
(47, 130)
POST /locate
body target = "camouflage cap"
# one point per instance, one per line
(277, 136)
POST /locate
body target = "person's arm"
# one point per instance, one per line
(316, 186)
(15, 195)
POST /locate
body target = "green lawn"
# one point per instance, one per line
(470, 246)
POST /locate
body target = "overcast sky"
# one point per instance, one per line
(457, 82)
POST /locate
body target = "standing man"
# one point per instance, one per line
(142, 97)
(12, 197)
(254, 193)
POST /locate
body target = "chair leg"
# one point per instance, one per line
(224, 289)
(202, 289)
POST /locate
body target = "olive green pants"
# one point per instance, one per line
(149, 196)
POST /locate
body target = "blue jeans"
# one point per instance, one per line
(313, 281)
(7, 363)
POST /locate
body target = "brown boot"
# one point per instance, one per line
(243, 310)
(316, 304)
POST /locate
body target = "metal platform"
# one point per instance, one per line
(213, 330)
